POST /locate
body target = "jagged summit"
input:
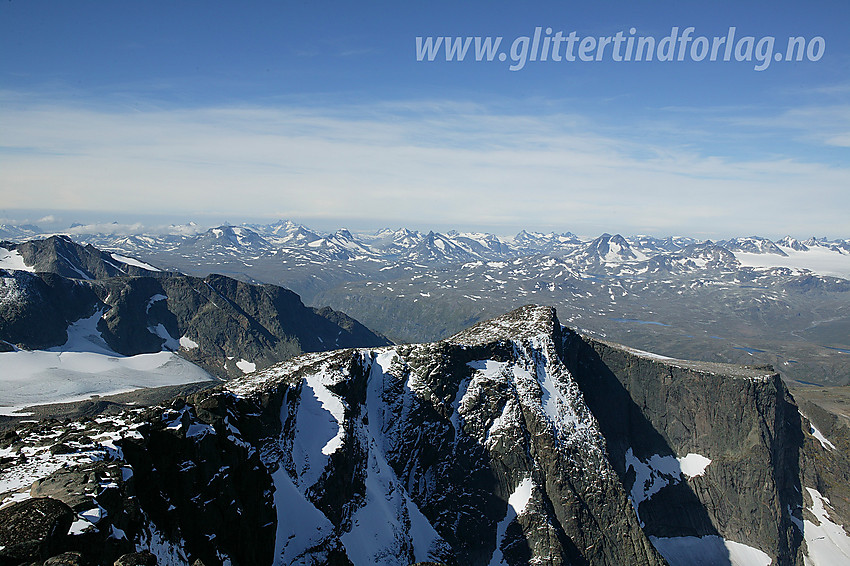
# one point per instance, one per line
(62, 256)
(533, 321)
(753, 244)
(525, 322)
(792, 243)
(510, 449)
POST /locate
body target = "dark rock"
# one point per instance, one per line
(73, 486)
(62, 256)
(61, 448)
(33, 529)
(215, 493)
(143, 558)
(67, 559)
(46, 304)
(8, 438)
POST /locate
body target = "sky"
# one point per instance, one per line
(322, 113)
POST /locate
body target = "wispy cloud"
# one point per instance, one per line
(432, 162)
(125, 229)
(356, 52)
(816, 124)
(839, 89)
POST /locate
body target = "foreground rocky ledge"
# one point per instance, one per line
(516, 441)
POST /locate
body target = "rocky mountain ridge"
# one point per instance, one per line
(516, 441)
(57, 291)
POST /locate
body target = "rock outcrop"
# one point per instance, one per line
(33, 529)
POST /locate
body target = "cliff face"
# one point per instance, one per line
(514, 442)
(742, 419)
(218, 321)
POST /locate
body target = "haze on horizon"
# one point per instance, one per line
(74, 224)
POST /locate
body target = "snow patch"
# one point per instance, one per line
(819, 436)
(693, 465)
(542, 387)
(12, 291)
(183, 419)
(455, 417)
(521, 496)
(822, 439)
(80, 526)
(645, 354)
(72, 265)
(12, 260)
(320, 430)
(167, 553)
(827, 541)
(199, 430)
(83, 336)
(93, 516)
(134, 262)
(169, 342)
(388, 528)
(245, 365)
(517, 504)
(708, 551)
(652, 475)
(300, 526)
(187, 343)
(156, 298)
(378, 532)
(35, 461)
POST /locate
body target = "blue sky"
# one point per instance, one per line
(320, 112)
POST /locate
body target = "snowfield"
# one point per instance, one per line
(817, 259)
(85, 366)
(12, 260)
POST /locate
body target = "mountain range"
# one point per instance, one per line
(742, 300)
